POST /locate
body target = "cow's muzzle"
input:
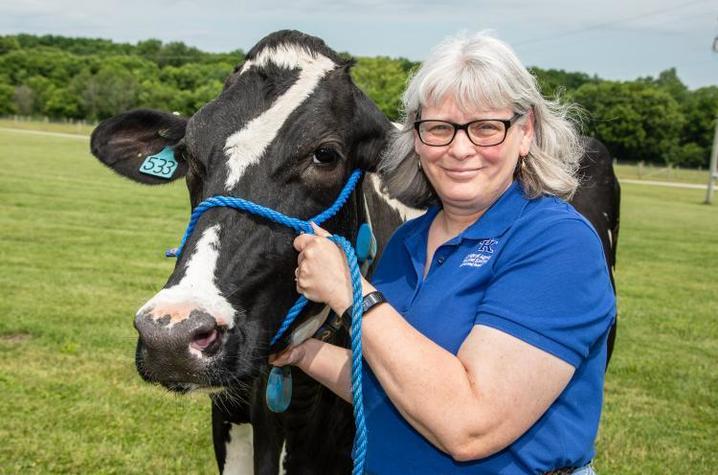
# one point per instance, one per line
(172, 353)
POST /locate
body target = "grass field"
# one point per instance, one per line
(81, 250)
(654, 173)
(78, 128)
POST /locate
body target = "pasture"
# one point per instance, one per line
(81, 249)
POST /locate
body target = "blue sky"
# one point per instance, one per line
(616, 39)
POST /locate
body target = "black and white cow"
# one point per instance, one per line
(286, 132)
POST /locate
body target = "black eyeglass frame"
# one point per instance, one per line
(465, 127)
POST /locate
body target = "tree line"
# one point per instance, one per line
(648, 119)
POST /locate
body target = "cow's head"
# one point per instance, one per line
(285, 132)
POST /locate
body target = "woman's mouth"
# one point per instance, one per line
(461, 173)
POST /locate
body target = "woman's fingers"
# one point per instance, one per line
(290, 356)
(319, 231)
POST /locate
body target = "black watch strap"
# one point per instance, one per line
(369, 301)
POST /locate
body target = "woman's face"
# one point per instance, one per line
(464, 175)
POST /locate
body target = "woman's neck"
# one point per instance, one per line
(454, 221)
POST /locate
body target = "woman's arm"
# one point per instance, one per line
(328, 364)
(469, 405)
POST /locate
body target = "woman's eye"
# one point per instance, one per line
(325, 156)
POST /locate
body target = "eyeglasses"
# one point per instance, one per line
(482, 133)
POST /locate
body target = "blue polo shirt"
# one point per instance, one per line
(534, 269)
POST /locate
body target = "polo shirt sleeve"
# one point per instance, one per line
(551, 289)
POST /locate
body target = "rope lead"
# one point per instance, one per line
(301, 226)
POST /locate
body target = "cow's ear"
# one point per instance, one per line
(141, 145)
(373, 130)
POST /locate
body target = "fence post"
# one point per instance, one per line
(712, 169)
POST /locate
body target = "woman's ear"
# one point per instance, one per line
(527, 137)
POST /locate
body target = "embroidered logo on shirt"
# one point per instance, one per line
(481, 256)
(487, 246)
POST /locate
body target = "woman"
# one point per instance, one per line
(489, 354)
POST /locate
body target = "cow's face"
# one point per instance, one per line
(285, 132)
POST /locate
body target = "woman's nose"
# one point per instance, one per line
(461, 147)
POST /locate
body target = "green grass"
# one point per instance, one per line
(655, 173)
(81, 250)
(661, 412)
(79, 128)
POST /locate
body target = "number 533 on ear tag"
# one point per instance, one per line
(162, 164)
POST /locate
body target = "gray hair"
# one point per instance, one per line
(482, 71)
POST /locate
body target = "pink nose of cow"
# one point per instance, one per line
(174, 351)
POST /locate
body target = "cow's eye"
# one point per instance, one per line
(325, 156)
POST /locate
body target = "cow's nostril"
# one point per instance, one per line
(202, 341)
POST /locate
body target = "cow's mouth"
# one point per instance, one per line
(208, 344)
(180, 388)
(210, 361)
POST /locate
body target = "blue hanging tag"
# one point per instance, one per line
(162, 164)
(279, 388)
(366, 244)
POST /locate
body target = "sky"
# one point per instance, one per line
(615, 39)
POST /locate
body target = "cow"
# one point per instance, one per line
(286, 131)
(598, 199)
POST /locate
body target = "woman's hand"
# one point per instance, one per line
(322, 274)
(294, 355)
(328, 364)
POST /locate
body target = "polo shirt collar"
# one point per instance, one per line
(500, 215)
(494, 222)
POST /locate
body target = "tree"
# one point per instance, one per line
(669, 81)
(7, 105)
(43, 88)
(193, 75)
(155, 94)
(8, 43)
(62, 103)
(691, 155)
(111, 91)
(636, 120)
(150, 49)
(177, 53)
(24, 100)
(383, 80)
(701, 110)
(553, 82)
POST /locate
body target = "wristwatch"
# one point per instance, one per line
(369, 301)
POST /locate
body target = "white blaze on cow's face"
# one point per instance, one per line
(246, 146)
(197, 289)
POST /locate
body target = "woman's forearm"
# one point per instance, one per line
(328, 364)
(425, 382)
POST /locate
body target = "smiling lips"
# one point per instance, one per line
(457, 173)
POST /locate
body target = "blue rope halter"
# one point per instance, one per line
(301, 226)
